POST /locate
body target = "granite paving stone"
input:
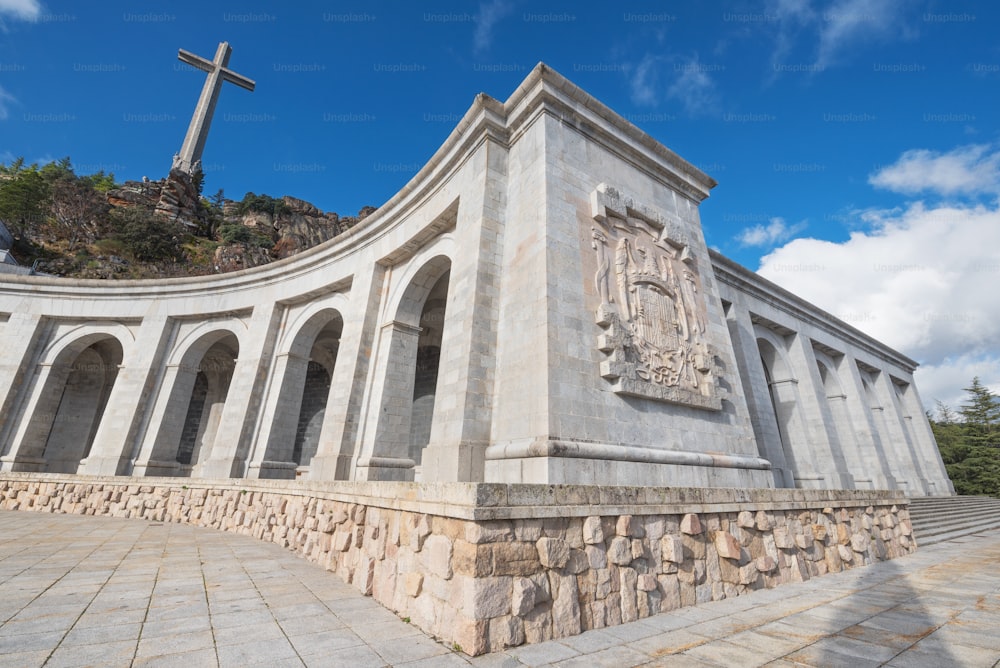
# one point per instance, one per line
(141, 593)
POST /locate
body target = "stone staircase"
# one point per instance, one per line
(939, 518)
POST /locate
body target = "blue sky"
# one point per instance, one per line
(855, 141)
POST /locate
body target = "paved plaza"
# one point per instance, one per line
(95, 591)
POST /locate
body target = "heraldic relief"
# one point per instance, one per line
(651, 305)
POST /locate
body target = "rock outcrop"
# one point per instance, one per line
(293, 226)
(179, 199)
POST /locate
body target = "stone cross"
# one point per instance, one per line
(189, 159)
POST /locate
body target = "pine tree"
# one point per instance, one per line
(948, 431)
(24, 197)
(981, 414)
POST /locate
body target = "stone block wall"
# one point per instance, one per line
(491, 566)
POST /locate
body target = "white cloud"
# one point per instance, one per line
(846, 22)
(686, 80)
(643, 82)
(5, 99)
(775, 231)
(693, 87)
(23, 10)
(923, 281)
(965, 170)
(832, 30)
(945, 381)
(488, 16)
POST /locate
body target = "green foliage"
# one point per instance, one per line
(147, 238)
(974, 469)
(100, 181)
(981, 415)
(14, 167)
(111, 246)
(214, 214)
(237, 233)
(79, 209)
(24, 197)
(198, 178)
(261, 204)
(970, 448)
(56, 170)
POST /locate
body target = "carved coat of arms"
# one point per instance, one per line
(651, 305)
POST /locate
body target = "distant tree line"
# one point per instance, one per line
(969, 441)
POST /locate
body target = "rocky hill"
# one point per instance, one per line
(148, 229)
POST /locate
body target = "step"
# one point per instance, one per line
(956, 512)
(933, 529)
(938, 519)
(940, 538)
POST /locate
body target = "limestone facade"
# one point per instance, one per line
(537, 305)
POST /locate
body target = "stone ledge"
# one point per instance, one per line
(489, 501)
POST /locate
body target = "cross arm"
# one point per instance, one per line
(195, 61)
(238, 79)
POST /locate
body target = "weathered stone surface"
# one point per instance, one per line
(691, 525)
(505, 632)
(436, 556)
(412, 584)
(597, 556)
(860, 542)
(746, 519)
(646, 582)
(726, 545)
(748, 574)
(593, 533)
(819, 532)
(565, 608)
(487, 597)
(578, 562)
(672, 549)
(628, 588)
(694, 546)
(670, 586)
(782, 539)
(629, 526)
(552, 552)
(765, 564)
(524, 596)
(620, 551)
(517, 558)
(472, 559)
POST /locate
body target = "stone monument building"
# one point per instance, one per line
(537, 305)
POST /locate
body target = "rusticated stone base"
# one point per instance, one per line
(488, 566)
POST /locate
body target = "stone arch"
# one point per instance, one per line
(411, 340)
(306, 367)
(78, 375)
(427, 365)
(203, 369)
